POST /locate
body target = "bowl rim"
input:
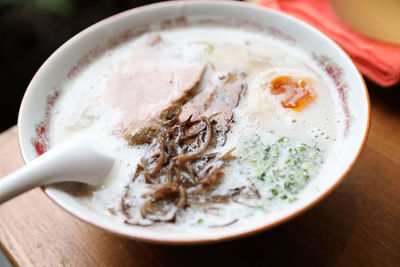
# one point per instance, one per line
(227, 237)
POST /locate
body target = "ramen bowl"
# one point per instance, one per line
(80, 50)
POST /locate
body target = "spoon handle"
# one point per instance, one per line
(20, 181)
(37, 173)
(75, 161)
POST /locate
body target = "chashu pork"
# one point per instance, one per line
(148, 86)
(216, 101)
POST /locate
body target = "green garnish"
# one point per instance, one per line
(274, 191)
(283, 166)
(283, 140)
(262, 176)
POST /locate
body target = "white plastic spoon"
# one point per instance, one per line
(77, 160)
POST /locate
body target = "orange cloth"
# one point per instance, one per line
(378, 61)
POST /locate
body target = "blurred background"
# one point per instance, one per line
(30, 30)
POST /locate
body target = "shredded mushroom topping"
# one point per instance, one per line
(180, 170)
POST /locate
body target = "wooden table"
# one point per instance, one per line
(357, 225)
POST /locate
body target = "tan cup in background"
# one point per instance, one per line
(378, 19)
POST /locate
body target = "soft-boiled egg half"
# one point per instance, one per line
(284, 98)
(292, 92)
(280, 90)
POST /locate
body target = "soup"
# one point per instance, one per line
(209, 125)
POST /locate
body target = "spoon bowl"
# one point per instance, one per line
(80, 160)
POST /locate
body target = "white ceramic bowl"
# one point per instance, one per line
(79, 50)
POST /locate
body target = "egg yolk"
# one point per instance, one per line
(294, 93)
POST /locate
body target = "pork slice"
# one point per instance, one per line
(147, 85)
(217, 101)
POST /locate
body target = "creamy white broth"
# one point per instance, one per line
(82, 110)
